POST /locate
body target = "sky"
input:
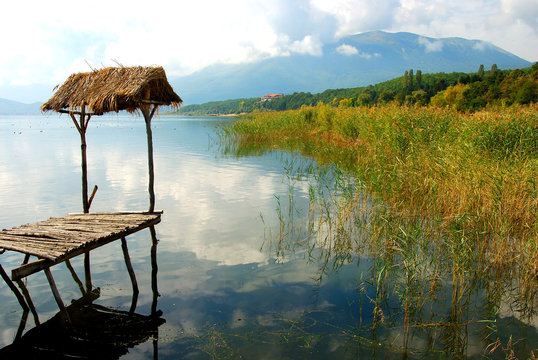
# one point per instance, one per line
(43, 42)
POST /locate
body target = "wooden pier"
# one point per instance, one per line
(59, 239)
(54, 241)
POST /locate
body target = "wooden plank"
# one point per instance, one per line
(15, 239)
(61, 231)
(89, 230)
(45, 230)
(30, 238)
(59, 239)
(52, 259)
(153, 213)
(70, 230)
(33, 249)
(31, 268)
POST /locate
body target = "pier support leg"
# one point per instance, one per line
(75, 277)
(87, 272)
(81, 127)
(55, 292)
(148, 115)
(154, 288)
(13, 288)
(28, 300)
(154, 270)
(22, 325)
(131, 273)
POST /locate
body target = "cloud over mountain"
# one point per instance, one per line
(353, 61)
(46, 42)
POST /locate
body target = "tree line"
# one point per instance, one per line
(464, 91)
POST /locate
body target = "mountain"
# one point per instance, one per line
(357, 60)
(9, 107)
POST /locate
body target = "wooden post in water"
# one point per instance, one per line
(55, 292)
(13, 288)
(154, 288)
(82, 127)
(154, 270)
(131, 272)
(28, 300)
(148, 111)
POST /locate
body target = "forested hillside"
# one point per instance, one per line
(465, 91)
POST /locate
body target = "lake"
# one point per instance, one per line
(240, 274)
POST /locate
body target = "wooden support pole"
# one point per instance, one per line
(55, 292)
(95, 188)
(131, 273)
(147, 118)
(154, 270)
(13, 288)
(22, 325)
(75, 276)
(28, 300)
(81, 127)
(85, 202)
(156, 344)
(87, 272)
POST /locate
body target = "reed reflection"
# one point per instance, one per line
(425, 289)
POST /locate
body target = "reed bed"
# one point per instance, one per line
(448, 184)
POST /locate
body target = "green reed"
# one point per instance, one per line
(474, 175)
(426, 193)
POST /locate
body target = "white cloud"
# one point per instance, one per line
(509, 24)
(525, 10)
(431, 46)
(487, 20)
(49, 40)
(308, 45)
(348, 50)
(356, 16)
(480, 45)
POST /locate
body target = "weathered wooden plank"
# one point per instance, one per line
(31, 268)
(115, 218)
(89, 224)
(14, 241)
(21, 237)
(39, 251)
(45, 229)
(72, 231)
(20, 240)
(97, 213)
(53, 251)
(57, 232)
(74, 225)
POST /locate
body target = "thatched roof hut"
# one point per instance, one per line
(113, 89)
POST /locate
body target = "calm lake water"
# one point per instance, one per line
(229, 286)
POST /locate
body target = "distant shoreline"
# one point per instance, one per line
(190, 114)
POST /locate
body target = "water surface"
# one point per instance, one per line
(235, 279)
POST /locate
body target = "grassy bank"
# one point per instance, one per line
(470, 178)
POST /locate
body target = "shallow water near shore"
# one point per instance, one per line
(239, 275)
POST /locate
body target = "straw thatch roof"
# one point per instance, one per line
(114, 89)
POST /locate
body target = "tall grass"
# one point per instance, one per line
(464, 183)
